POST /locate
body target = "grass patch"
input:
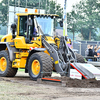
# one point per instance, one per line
(19, 69)
(1, 36)
(85, 59)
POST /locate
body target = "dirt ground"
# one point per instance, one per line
(21, 87)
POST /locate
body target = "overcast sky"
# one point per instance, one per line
(69, 3)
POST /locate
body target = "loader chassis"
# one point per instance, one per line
(38, 55)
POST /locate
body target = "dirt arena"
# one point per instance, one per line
(21, 87)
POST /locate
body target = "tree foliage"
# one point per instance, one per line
(49, 6)
(72, 27)
(88, 18)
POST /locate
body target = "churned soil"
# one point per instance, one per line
(68, 82)
(84, 83)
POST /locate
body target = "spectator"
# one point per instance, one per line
(87, 50)
(95, 53)
(95, 46)
(98, 52)
(90, 52)
(69, 43)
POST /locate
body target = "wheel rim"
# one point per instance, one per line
(3, 64)
(35, 67)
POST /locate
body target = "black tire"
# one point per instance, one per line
(79, 58)
(9, 71)
(46, 65)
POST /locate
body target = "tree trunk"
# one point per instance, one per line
(82, 33)
(73, 35)
(90, 35)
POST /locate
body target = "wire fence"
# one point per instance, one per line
(82, 45)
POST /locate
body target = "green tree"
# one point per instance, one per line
(50, 7)
(3, 12)
(88, 17)
(71, 21)
(3, 31)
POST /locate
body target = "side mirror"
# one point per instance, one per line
(13, 28)
(61, 23)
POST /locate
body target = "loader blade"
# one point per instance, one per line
(88, 71)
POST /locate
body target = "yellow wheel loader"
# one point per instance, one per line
(32, 46)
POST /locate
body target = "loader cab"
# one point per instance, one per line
(41, 24)
(26, 27)
(29, 26)
(45, 22)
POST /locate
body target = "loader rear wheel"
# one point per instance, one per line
(39, 65)
(6, 69)
(79, 58)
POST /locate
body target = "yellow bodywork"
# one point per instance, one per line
(57, 41)
(20, 60)
(21, 57)
(19, 43)
(7, 38)
(26, 14)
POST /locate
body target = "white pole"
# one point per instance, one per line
(8, 18)
(26, 3)
(65, 18)
(39, 6)
(14, 9)
(49, 6)
(46, 7)
(55, 6)
(18, 5)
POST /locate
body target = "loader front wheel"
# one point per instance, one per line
(39, 65)
(6, 69)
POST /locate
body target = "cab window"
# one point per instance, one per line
(23, 25)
